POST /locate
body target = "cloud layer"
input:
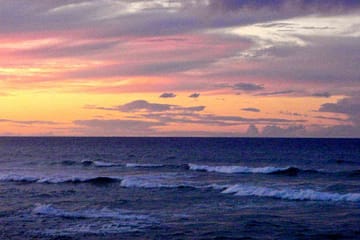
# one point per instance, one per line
(296, 61)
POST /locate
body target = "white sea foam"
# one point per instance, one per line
(144, 165)
(100, 163)
(289, 194)
(17, 178)
(49, 210)
(235, 169)
(164, 180)
(99, 227)
(57, 179)
(104, 220)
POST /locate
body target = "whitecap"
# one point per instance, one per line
(100, 221)
(98, 163)
(57, 179)
(49, 210)
(289, 194)
(235, 169)
(143, 165)
(18, 178)
(164, 180)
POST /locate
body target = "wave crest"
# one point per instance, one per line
(60, 179)
(290, 194)
(103, 221)
(98, 163)
(143, 165)
(236, 169)
(49, 210)
(155, 181)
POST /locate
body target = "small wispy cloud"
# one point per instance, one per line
(168, 95)
(247, 87)
(250, 109)
(194, 95)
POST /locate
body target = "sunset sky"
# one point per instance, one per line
(180, 68)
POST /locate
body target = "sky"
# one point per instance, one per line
(230, 68)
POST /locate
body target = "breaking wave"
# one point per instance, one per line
(99, 163)
(49, 210)
(143, 165)
(59, 179)
(290, 171)
(237, 169)
(155, 181)
(102, 220)
(289, 194)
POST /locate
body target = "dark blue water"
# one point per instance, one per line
(179, 188)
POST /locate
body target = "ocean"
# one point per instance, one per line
(179, 188)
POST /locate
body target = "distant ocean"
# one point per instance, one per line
(179, 188)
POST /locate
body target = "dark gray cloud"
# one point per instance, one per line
(297, 7)
(165, 114)
(184, 118)
(327, 64)
(250, 109)
(106, 31)
(247, 87)
(142, 105)
(252, 131)
(290, 131)
(251, 120)
(117, 127)
(100, 15)
(302, 131)
(348, 106)
(145, 106)
(214, 120)
(167, 95)
(331, 118)
(321, 94)
(285, 92)
(194, 95)
(336, 131)
(293, 114)
(192, 109)
(88, 18)
(331, 60)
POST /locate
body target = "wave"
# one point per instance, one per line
(170, 181)
(241, 169)
(289, 194)
(289, 171)
(68, 162)
(104, 220)
(155, 181)
(98, 163)
(18, 178)
(143, 165)
(59, 179)
(49, 210)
